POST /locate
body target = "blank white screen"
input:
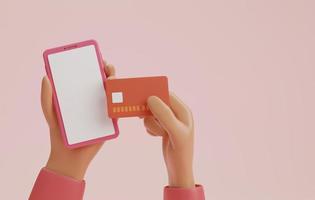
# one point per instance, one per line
(80, 92)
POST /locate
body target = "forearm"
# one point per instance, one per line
(50, 186)
(176, 193)
(182, 186)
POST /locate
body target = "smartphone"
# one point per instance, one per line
(76, 73)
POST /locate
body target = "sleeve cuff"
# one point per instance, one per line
(50, 185)
(174, 193)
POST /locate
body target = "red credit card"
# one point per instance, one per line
(128, 97)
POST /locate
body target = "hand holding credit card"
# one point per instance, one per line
(127, 97)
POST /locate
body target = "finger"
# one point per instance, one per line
(105, 67)
(165, 116)
(47, 104)
(110, 70)
(111, 77)
(181, 111)
(152, 125)
(150, 132)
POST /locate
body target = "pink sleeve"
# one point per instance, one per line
(50, 186)
(173, 193)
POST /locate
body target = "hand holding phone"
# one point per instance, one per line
(62, 160)
(77, 80)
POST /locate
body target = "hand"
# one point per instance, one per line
(68, 162)
(175, 125)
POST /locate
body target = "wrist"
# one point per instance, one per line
(66, 167)
(182, 180)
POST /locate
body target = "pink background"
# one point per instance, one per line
(246, 69)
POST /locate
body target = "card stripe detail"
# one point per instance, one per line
(134, 108)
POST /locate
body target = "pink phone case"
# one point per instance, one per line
(55, 98)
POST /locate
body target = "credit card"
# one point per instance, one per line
(127, 97)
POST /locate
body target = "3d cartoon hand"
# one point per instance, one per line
(175, 125)
(62, 160)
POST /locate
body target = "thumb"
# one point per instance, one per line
(47, 103)
(165, 117)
